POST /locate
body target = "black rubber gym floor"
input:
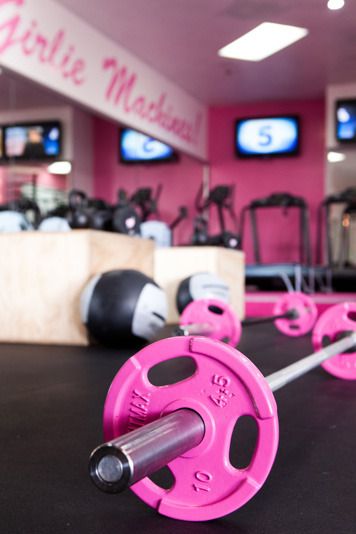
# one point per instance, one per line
(51, 405)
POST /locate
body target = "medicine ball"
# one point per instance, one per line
(100, 214)
(230, 240)
(54, 224)
(123, 306)
(29, 208)
(13, 221)
(125, 218)
(159, 231)
(201, 286)
(126, 221)
(101, 219)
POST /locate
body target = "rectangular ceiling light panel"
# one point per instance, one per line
(263, 41)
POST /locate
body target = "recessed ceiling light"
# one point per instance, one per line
(263, 41)
(335, 157)
(60, 167)
(335, 4)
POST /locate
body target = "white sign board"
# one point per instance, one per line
(46, 43)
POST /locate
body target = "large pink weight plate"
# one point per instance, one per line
(224, 321)
(307, 314)
(333, 322)
(224, 387)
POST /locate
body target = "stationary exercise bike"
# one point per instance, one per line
(222, 198)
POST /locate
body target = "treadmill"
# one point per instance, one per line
(279, 276)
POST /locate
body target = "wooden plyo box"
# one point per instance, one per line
(43, 274)
(174, 264)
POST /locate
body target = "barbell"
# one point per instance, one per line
(188, 424)
(294, 314)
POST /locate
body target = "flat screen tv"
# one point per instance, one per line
(261, 137)
(345, 121)
(136, 147)
(35, 141)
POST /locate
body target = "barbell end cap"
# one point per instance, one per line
(110, 469)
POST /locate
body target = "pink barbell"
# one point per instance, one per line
(294, 314)
(189, 424)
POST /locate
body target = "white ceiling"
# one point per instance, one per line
(180, 39)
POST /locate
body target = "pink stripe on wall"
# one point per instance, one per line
(302, 175)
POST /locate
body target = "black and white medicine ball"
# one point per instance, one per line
(13, 221)
(54, 224)
(123, 306)
(201, 286)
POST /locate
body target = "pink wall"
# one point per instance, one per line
(180, 180)
(302, 175)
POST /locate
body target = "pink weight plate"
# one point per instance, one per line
(224, 387)
(334, 321)
(224, 321)
(305, 308)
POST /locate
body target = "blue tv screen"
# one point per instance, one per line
(267, 136)
(346, 121)
(32, 141)
(136, 147)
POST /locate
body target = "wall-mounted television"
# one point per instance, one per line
(261, 137)
(136, 147)
(345, 121)
(32, 141)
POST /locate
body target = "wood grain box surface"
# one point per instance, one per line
(43, 274)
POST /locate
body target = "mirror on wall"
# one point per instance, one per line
(51, 146)
(33, 122)
(341, 207)
(340, 177)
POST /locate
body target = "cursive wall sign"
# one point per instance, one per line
(46, 43)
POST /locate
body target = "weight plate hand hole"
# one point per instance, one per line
(172, 371)
(294, 326)
(163, 478)
(326, 341)
(243, 442)
(215, 309)
(351, 315)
